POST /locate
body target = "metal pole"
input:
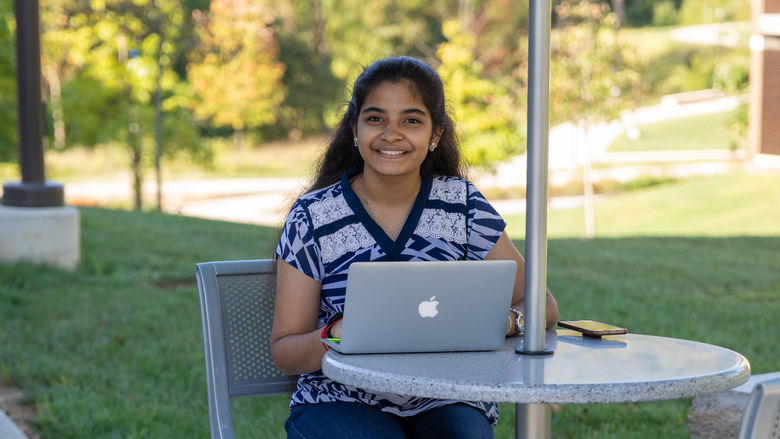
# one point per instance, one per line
(33, 190)
(28, 75)
(536, 194)
(533, 420)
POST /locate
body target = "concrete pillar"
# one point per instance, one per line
(764, 116)
(34, 223)
(47, 235)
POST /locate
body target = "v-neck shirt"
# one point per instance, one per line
(328, 229)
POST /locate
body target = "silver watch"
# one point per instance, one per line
(519, 320)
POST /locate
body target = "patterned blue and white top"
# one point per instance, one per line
(329, 229)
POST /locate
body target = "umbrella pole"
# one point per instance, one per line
(533, 420)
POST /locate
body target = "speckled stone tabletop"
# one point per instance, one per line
(620, 368)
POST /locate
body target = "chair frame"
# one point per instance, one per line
(220, 384)
(762, 411)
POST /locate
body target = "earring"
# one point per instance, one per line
(356, 142)
(432, 147)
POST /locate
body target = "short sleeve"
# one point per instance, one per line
(484, 224)
(297, 245)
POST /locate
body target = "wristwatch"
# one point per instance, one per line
(519, 320)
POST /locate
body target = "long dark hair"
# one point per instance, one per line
(341, 153)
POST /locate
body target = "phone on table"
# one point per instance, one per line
(592, 328)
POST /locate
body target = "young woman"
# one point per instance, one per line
(390, 187)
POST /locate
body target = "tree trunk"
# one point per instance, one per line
(238, 146)
(158, 134)
(57, 115)
(136, 152)
(620, 11)
(587, 184)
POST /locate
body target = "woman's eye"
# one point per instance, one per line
(374, 119)
(413, 120)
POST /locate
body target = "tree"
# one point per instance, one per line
(361, 32)
(236, 73)
(489, 121)
(119, 57)
(593, 75)
(9, 136)
(312, 89)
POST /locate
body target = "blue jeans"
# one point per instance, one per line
(338, 420)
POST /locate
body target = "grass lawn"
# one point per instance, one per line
(114, 350)
(710, 131)
(273, 159)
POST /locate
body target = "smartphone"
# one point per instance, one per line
(592, 328)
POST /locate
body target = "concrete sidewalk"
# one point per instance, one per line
(9, 430)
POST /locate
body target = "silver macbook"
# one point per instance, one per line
(395, 307)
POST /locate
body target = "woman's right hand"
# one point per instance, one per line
(335, 330)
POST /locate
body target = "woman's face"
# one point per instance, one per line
(394, 130)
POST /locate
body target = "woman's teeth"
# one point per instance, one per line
(391, 152)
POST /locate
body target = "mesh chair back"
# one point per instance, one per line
(762, 413)
(237, 301)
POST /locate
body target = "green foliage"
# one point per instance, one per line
(732, 72)
(235, 71)
(698, 72)
(9, 148)
(739, 127)
(594, 75)
(664, 13)
(640, 12)
(713, 11)
(312, 89)
(361, 32)
(281, 69)
(487, 117)
(110, 58)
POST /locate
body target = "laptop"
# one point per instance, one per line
(437, 306)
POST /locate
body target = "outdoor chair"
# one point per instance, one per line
(236, 304)
(762, 413)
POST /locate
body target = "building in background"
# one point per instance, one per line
(764, 118)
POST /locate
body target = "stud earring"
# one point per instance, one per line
(432, 147)
(356, 142)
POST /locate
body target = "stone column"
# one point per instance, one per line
(35, 225)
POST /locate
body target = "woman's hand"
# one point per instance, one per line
(335, 330)
(506, 250)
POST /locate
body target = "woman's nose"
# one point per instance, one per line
(391, 133)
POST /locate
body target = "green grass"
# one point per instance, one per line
(268, 160)
(710, 131)
(114, 350)
(736, 204)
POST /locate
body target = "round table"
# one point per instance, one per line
(620, 368)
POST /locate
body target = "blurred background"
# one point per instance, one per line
(145, 99)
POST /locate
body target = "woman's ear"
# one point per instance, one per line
(437, 132)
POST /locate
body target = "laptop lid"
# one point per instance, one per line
(426, 306)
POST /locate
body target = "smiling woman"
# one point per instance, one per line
(390, 187)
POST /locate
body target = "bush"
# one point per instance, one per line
(712, 11)
(664, 13)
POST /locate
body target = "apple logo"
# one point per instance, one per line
(427, 308)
